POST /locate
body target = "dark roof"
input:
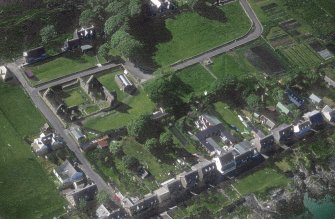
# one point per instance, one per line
(217, 130)
(174, 185)
(294, 98)
(36, 52)
(191, 178)
(72, 44)
(267, 141)
(316, 118)
(87, 193)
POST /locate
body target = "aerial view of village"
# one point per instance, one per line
(119, 109)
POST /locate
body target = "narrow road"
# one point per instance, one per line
(58, 126)
(252, 35)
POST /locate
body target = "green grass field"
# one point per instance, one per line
(134, 107)
(233, 63)
(61, 66)
(193, 34)
(27, 191)
(108, 80)
(76, 97)
(260, 181)
(228, 115)
(197, 77)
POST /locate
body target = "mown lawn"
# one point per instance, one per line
(197, 77)
(228, 115)
(61, 66)
(130, 109)
(232, 63)
(193, 34)
(261, 181)
(76, 97)
(108, 80)
(27, 191)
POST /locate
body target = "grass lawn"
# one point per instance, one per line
(108, 80)
(61, 66)
(197, 77)
(228, 115)
(193, 34)
(130, 109)
(76, 97)
(232, 63)
(26, 189)
(260, 181)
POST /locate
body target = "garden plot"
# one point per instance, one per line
(278, 37)
(321, 50)
(302, 56)
(265, 60)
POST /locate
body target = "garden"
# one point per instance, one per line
(129, 109)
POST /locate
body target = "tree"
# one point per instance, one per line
(116, 148)
(114, 23)
(124, 43)
(103, 197)
(151, 144)
(48, 33)
(104, 51)
(87, 17)
(130, 162)
(166, 139)
(134, 7)
(253, 102)
(141, 127)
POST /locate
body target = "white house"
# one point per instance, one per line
(45, 143)
(328, 113)
(315, 99)
(5, 75)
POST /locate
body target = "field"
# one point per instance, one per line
(131, 108)
(27, 191)
(193, 34)
(260, 181)
(302, 56)
(61, 66)
(197, 77)
(108, 80)
(128, 181)
(76, 97)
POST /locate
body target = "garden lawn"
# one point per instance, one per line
(197, 77)
(61, 66)
(108, 80)
(27, 191)
(137, 105)
(261, 181)
(76, 97)
(231, 64)
(193, 34)
(227, 115)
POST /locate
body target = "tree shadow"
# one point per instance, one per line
(150, 32)
(209, 11)
(123, 108)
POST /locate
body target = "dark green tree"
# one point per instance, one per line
(151, 144)
(103, 197)
(87, 17)
(166, 139)
(130, 162)
(253, 102)
(48, 33)
(141, 127)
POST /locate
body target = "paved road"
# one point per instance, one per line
(255, 33)
(75, 76)
(58, 126)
